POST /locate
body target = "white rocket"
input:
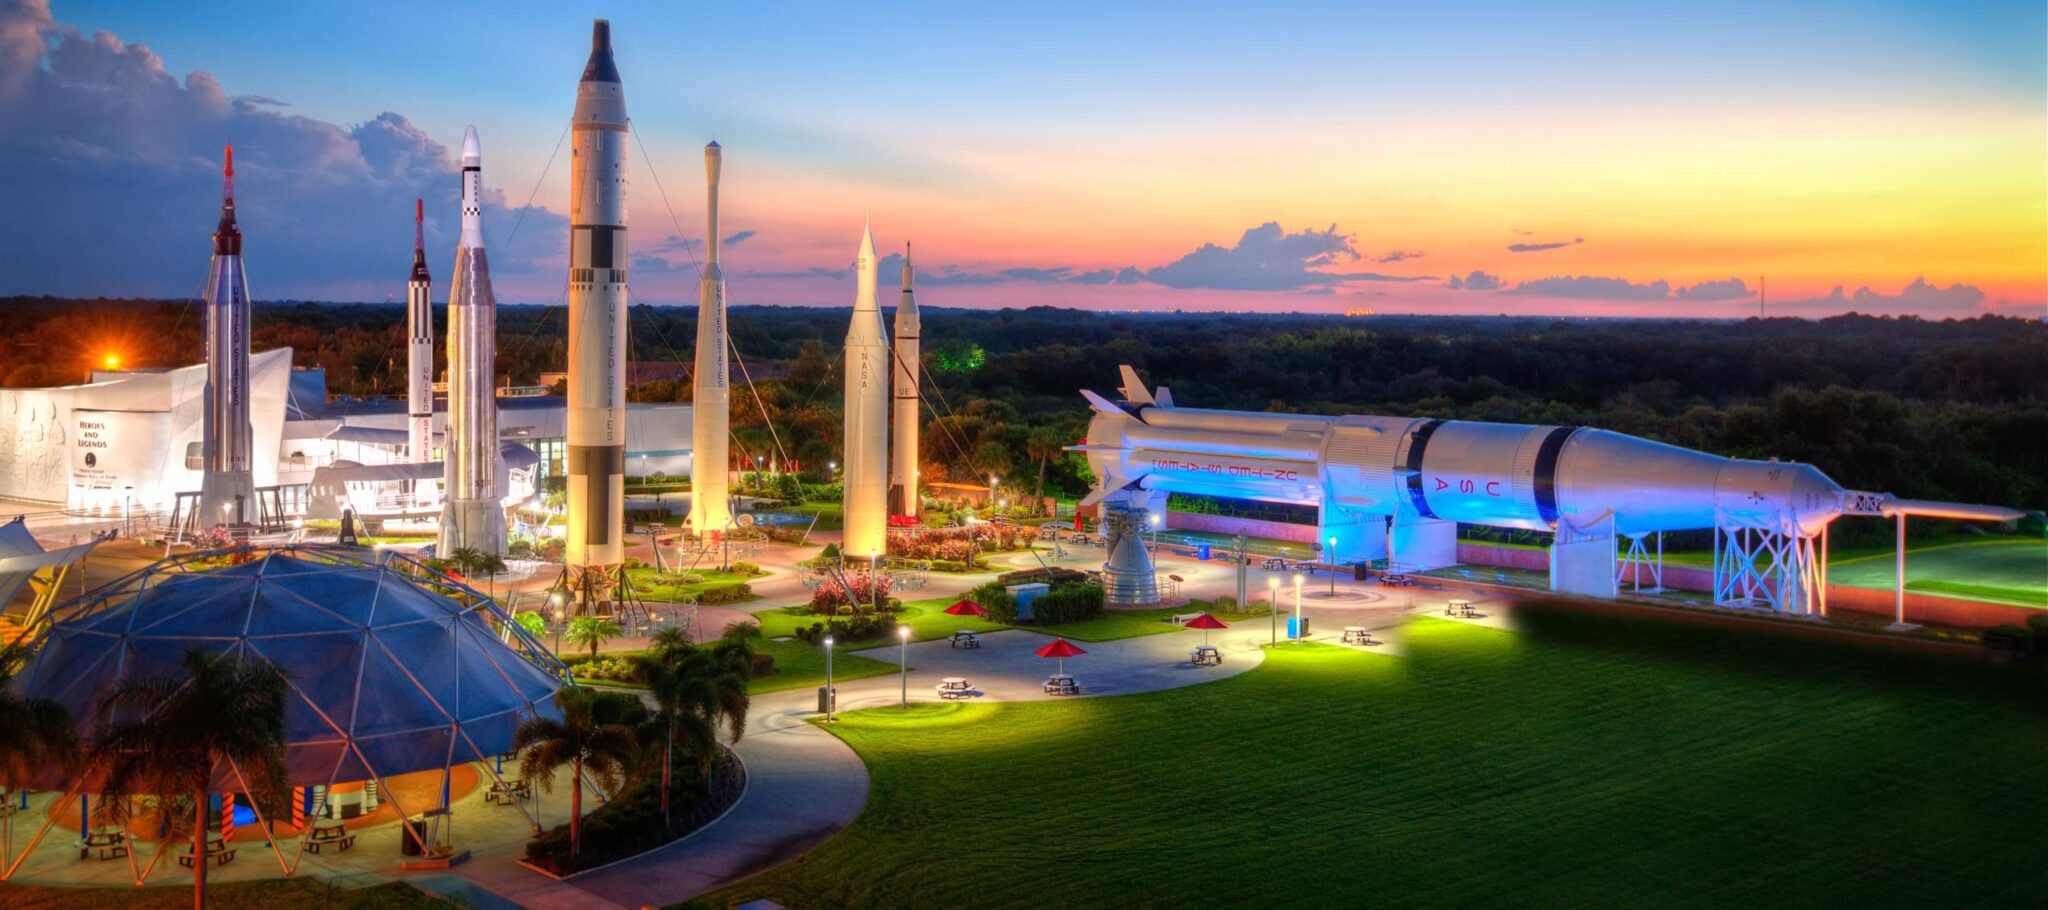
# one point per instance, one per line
(227, 489)
(419, 352)
(711, 408)
(903, 498)
(866, 487)
(474, 515)
(597, 312)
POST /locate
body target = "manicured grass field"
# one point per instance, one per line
(1585, 761)
(798, 666)
(1999, 570)
(259, 895)
(648, 589)
(1114, 624)
(927, 620)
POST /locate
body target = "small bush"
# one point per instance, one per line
(726, 595)
(831, 551)
(1067, 602)
(745, 568)
(1001, 606)
(764, 665)
(617, 669)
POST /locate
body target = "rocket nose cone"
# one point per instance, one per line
(471, 148)
(600, 68)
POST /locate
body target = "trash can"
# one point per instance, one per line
(1360, 571)
(407, 845)
(1202, 552)
(1296, 633)
(828, 699)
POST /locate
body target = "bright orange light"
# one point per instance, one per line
(113, 360)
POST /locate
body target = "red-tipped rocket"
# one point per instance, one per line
(866, 415)
(419, 353)
(227, 488)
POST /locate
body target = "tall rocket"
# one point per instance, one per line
(597, 312)
(474, 515)
(903, 498)
(419, 352)
(227, 489)
(865, 503)
(711, 411)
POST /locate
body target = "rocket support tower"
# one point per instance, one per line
(227, 487)
(596, 465)
(419, 352)
(866, 486)
(474, 514)
(903, 461)
(711, 408)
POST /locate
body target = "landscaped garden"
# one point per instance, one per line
(1583, 761)
(290, 892)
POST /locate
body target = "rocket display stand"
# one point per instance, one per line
(584, 591)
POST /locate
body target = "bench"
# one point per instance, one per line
(341, 843)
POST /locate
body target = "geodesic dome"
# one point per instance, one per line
(392, 668)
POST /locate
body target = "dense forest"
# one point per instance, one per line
(1937, 410)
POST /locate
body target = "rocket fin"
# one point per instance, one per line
(1104, 406)
(1134, 390)
(1164, 397)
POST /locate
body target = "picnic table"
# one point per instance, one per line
(1357, 635)
(965, 638)
(217, 852)
(111, 842)
(953, 687)
(1062, 684)
(1396, 580)
(508, 792)
(1206, 656)
(1461, 608)
(329, 832)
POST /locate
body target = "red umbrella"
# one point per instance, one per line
(965, 607)
(1205, 622)
(1062, 649)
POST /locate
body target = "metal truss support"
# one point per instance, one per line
(1757, 563)
(1637, 562)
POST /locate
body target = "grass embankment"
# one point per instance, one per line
(799, 666)
(258, 895)
(1587, 761)
(2000, 570)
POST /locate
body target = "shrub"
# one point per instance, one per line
(2009, 639)
(617, 669)
(867, 589)
(764, 665)
(1067, 602)
(831, 551)
(1001, 606)
(745, 568)
(726, 595)
(856, 627)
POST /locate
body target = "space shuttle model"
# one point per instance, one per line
(866, 486)
(711, 398)
(596, 463)
(903, 498)
(227, 487)
(1396, 488)
(473, 515)
(419, 351)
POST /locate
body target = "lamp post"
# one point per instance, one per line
(1155, 534)
(874, 580)
(903, 660)
(1332, 553)
(831, 694)
(1297, 606)
(558, 626)
(1273, 606)
(991, 491)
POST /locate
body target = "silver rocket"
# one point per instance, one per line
(711, 411)
(227, 489)
(903, 498)
(419, 351)
(866, 489)
(597, 312)
(474, 515)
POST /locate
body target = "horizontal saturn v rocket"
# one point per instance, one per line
(711, 402)
(473, 516)
(1422, 469)
(596, 440)
(866, 484)
(903, 498)
(227, 488)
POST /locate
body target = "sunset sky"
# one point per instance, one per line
(1582, 158)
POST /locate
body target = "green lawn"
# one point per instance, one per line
(829, 515)
(1585, 761)
(176, 893)
(799, 666)
(2001, 570)
(1114, 624)
(649, 590)
(927, 620)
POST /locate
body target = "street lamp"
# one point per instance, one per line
(903, 660)
(831, 694)
(1155, 534)
(1273, 606)
(1297, 606)
(1332, 553)
(557, 598)
(874, 580)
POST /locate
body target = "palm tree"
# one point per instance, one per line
(593, 631)
(595, 735)
(670, 640)
(531, 621)
(1044, 445)
(695, 691)
(35, 734)
(168, 735)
